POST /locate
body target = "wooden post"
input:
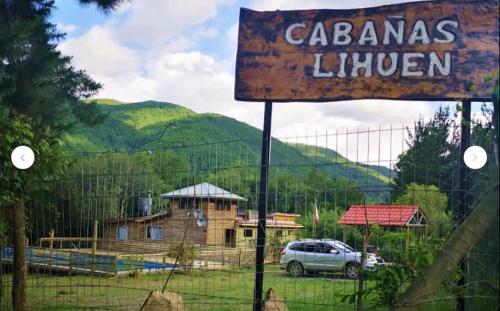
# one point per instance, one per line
(94, 244)
(69, 261)
(116, 265)
(51, 246)
(94, 237)
(51, 239)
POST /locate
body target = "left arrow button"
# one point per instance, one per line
(22, 157)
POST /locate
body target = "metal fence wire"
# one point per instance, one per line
(114, 225)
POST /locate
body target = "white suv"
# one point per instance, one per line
(315, 256)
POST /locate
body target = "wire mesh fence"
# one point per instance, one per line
(113, 226)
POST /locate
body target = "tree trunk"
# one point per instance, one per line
(19, 268)
(448, 258)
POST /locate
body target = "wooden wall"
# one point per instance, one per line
(217, 223)
(287, 235)
(173, 229)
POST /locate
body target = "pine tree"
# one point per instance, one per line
(41, 97)
(432, 157)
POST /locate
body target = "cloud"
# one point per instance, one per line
(231, 36)
(66, 28)
(192, 79)
(100, 53)
(388, 111)
(153, 22)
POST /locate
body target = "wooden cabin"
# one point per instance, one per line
(282, 226)
(209, 212)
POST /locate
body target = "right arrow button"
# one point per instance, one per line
(475, 157)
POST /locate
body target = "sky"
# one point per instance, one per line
(184, 52)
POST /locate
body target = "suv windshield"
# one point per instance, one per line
(344, 246)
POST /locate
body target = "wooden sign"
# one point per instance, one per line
(416, 51)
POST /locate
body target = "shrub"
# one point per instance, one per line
(183, 252)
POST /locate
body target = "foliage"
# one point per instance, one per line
(483, 259)
(432, 156)
(103, 187)
(15, 129)
(184, 253)
(474, 227)
(105, 5)
(391, 280)
(327, 227)
(199, 138)
(39, 96)
(4, 230)
(273, 247)
(433, 204)
(40, 92)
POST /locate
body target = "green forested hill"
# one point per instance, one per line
(212, 141)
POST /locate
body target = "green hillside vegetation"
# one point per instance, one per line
(210, 141)
(329, 158)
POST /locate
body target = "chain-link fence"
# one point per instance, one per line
(352, 218)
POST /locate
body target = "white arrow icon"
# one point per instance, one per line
(22, 157)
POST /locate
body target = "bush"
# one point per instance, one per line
(391, 280)
(184, 253)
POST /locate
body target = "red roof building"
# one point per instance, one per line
(384, 215)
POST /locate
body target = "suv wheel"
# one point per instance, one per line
(295, 268)
(352, 270)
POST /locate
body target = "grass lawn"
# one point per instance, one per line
(201, 290)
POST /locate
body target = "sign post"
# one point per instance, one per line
(261, 226)
(429, 50)
(464, 199)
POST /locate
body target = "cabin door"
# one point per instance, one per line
(230, 238)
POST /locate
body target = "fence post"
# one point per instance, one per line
(69, 261)
(261, 227)
(51, 238)
(115, 264)
(51, 247)
(94, 237)
(464, 201)
(94, 244)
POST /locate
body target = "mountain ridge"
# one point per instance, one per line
(152, 125)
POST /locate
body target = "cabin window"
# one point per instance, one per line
(279, 233)
(122, 233)
(248, 233)
(183, 204)
(219, 206)
(227, 206)
(154, 233)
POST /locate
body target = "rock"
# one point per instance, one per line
(158, 301)
(274, 302)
